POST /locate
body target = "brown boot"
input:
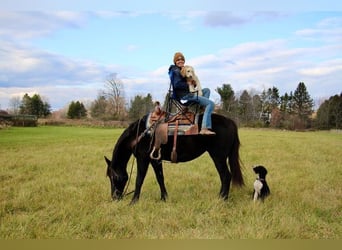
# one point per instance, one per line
(205, 131)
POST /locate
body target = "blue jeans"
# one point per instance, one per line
(205, 102)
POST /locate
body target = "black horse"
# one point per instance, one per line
(222, 146)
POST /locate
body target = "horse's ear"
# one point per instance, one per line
(108, 161)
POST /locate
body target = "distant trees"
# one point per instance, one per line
(245, 108)
(292, 110)
(302, 104)
(76, 110)
(286, 103)
(110, 103)
(140, 106)
(269, 102)
(34, 106)
(228, 100)
(329, 114)
(114, 94)
(99, 108)
(268, 108)
(14, 105)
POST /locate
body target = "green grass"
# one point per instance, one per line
(53, 186)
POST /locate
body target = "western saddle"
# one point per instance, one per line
(179, 119)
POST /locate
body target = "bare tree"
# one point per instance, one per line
(114, 92)
(14, 105)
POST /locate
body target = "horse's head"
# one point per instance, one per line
(117, 181)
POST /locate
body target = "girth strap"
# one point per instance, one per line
(174, 148)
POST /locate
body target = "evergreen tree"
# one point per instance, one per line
(269, 100)
(26, 105)
(99, 107)
(335, 112)
(329, 114)
(228, 100)
(302, 103)
(140, 106)
(286, 103)
(257, 107)
(245, 107)
(34, 106)
(322, 119)
(76, 110)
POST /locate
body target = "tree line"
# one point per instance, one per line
(292, 110)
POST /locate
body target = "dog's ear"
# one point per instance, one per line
(183, 71)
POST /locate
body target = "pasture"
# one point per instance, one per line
(53, 186)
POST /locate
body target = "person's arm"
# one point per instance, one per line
(177, 80)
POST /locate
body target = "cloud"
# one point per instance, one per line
(28, 69)
(23, 65)
(223, 18)
(33, 24)
(259, 65)
(131, 47)
(229, 19)
(329, 29)
(323, 68)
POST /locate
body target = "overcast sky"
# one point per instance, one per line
(67, 55)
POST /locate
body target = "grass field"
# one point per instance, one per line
(53, 186)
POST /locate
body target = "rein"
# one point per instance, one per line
(138, 138)
(135, 150)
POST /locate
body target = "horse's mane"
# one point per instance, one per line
(131, 130)
(122, 145)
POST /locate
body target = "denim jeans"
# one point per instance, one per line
(205, 102)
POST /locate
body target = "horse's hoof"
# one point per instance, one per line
(133, 202)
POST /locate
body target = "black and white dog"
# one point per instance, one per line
(261, 189)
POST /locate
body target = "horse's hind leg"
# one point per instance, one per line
(225, 176)
(158, 170)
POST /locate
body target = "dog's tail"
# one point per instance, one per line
(234, 159)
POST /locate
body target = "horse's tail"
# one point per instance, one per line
(235, 162)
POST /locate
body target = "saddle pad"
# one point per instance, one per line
(185, 127)
(191, 129)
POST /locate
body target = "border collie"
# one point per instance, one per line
(261, 189)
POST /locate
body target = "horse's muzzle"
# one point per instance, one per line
(117, 195)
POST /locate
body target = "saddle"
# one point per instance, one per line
(181, 124)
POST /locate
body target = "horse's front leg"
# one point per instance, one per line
(158, 170)
(142, 166)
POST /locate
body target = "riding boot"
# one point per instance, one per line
(205, 131)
